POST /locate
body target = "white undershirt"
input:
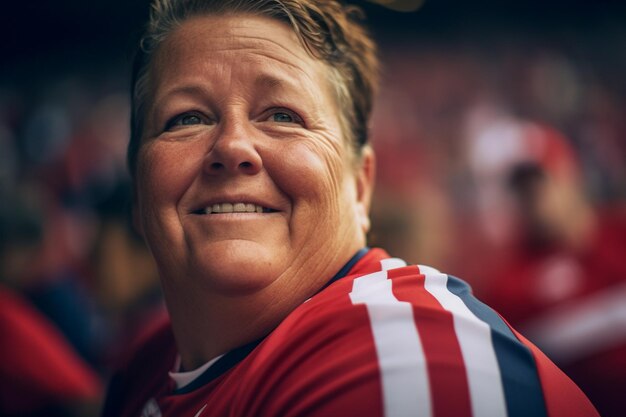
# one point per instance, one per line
(182, 379)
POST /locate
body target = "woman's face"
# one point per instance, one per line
(244, 178)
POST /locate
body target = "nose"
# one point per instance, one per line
(233, 150)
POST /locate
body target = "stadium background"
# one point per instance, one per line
(449, 70)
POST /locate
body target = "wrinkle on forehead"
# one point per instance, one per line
(244, 36)
(241, 33)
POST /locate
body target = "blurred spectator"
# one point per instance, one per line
(65, 178)
(125, 283)
(40, 373)
(552, 263)
(415, 131)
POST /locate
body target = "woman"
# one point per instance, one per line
(253, 179)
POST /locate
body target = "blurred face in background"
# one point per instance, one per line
(550, 209)
(245, 180)
(530, 187)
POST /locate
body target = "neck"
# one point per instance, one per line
(213, 326)
(207, 324)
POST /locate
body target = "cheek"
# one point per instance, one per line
(164, 172)
(315, 179)
(307, 172)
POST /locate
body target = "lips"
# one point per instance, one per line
(218, 208)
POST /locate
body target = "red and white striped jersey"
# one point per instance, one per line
(382, 339)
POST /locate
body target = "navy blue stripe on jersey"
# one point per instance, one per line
(224, 364)
(520, 380)
(347, 267)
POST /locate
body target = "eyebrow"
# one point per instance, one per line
(190, 90)
(264, 81)
(269, 82)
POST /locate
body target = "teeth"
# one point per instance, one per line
(234, 208)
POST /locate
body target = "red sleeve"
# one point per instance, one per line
(142, 370)
(43, 368)
(562, 396)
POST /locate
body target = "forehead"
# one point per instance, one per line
(237, 48)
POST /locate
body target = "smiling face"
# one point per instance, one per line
(245, 180)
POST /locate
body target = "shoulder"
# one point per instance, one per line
(153, 351)
(143, 371)
(505, 373)
(403, 337)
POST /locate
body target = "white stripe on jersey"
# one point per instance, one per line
(392, 263)
(404, 377)
(474, 336)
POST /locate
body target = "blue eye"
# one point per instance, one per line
(182, 120)
(282, 117)
(190, 119)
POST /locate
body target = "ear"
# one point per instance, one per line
(365, 177)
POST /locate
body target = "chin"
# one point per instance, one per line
(236, 268)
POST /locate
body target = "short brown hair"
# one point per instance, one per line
(328, 30)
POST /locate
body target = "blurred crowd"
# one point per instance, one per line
(505, 165)
(72, 270)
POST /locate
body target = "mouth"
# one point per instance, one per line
(219, 208)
